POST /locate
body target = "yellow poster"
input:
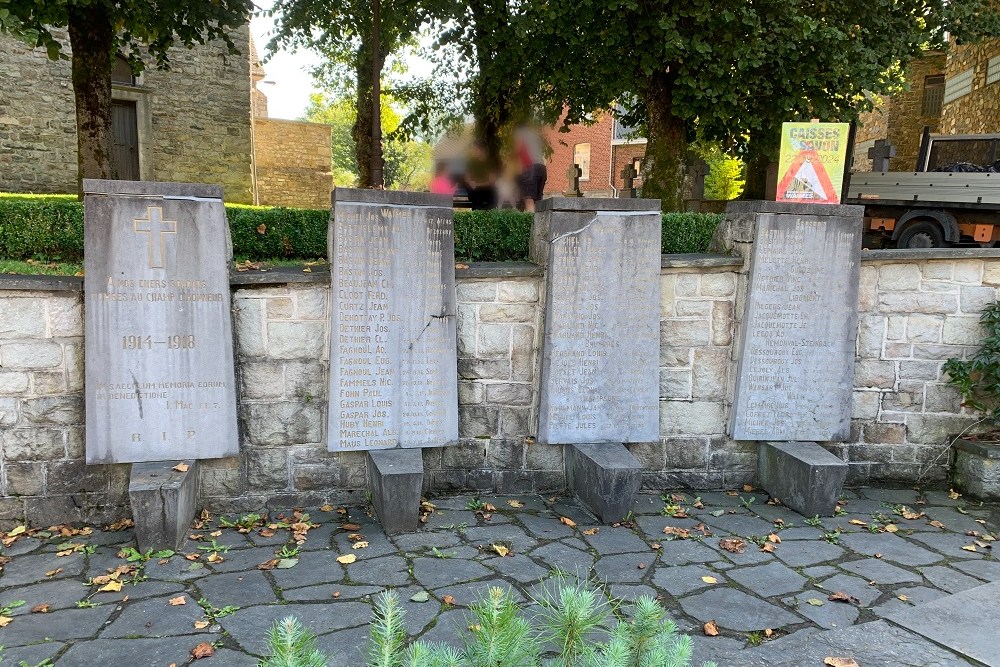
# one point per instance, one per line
(811, 167)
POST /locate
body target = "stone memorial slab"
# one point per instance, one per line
(160, 383)
(796, 368)
(393, 345)
(601, 349)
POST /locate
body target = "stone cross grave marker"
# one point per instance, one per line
(881, 153)
(160, 383)
(601, 349)
(796, 368)
(393, 358)
(573, 175)
(628, 182)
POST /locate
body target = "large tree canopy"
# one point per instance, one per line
(98, 31)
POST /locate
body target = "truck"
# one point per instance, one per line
(952, 199)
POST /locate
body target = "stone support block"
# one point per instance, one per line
(395, 479)
(803, 475)
(605, 477)
(977, 468)
(163, 503)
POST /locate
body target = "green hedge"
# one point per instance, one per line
(50, 228)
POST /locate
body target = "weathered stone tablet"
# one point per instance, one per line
(601, 348)
(159, 345)
(393, 346)
(796, 369)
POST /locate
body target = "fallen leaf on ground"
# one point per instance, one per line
(336, 594)
(677, 498)
(768, 632)
(698, 505)
(642, 566)
(591, 531)
(907, 514)
(261, 228)
(567, 521)
(500, 549)
(181, 467)
(326, 508)
(516, 504)
(711, 629)
(266, 532)
(773, 538)
(355, 537)
(201, 625)
(360, 544)
(704, 530)
(110, 587)
(902, 597)
(840, 662)
(710, 580)
(732, 493)
(192, 556)
(177, 601)
(768, 548)
(655, 545)
(815, 602)
(287, 563)
(460, 265)
(350, 527)
(891, 528)
(733, 545)
(748, 488)
(937, 524)
(953, 494)
(5, 621)
(347, 559)
(40, 608)
(681, 533)
(969, 547)
(422, 596)
(17, 531)
(448, 599)
(840, 596)
(215, 558)
(717, 512)
(857, 522)
(202, 650)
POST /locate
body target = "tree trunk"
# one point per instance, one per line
(361, 133)
(91, 37)
(759, 158)
(666, 145)
(492, 94)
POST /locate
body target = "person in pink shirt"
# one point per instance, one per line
(442, 184)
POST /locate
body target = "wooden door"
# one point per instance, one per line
(124, 141)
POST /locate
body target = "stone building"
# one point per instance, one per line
(951, 93)
(201, 121)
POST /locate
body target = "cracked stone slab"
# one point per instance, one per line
(915, 595)
(804, 554)
(545, 526)
(949, 544)
(28, 570)
(948, 579)
(325, 592)
(426, 540)
(769, 580)
(318, 567)
(64, 625)
(608, 540)
(517, 567)
(893, 548)
(350, 646)
(476, 591)
(386, 571)
(559, 556)
(135, 652)
(739, 524)
(684, 579)
(827, 615)
(510, 534)
(735, 610)
(239, 589)
(249, 627)
(434, 573)
(874, 569)
(983, 569)
(687, 551)
(965, 622)
(243, 559)
(225, 657)
(155, 618)
(852, 585)
(32, 655)
(625, 568)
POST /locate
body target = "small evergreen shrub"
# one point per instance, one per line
(291, 645)
(688, 232)
(978, 378)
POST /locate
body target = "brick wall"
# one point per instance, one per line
(293, 161)
(598, 135)
(199, 112)
(979, 111)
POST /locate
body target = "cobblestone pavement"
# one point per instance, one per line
(780, 583)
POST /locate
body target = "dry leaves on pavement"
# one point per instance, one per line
(567, 521)
(840, 662)
(177, 601)
(711, 629)
(203, 650)
(733, 545)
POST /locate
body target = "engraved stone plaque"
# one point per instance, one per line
(601, 348)
(159, 345)
(393, 347)
(796, 369)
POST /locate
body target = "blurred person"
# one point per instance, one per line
(531, 156)
(442, 184)
(480, 178)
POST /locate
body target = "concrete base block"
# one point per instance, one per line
(396, 479)
(802, 475)
(164, 502)
(977, 468)
(605, 477)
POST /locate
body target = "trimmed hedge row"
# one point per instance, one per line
(50, 228)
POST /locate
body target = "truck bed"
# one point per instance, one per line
(942, 188)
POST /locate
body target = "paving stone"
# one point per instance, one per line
(225, 657)
(949, 544)
(735, 610)
(874, 569)
(33, 655)
(385, 571)
(624, 568)
(630, 593)
(769, 580)
(450, 519)
(63, 625)
(433, 573)
(681, 580)
(56, 594)
(378, 545)
(571, 509)
(139, 591)
(953, 519)
(316, 568)
(418, 614)
(647, 503)
(155, 618)
(476, 591)
(828, 615)
(519, 567)
(321, 537)
(752, 555)
(449, 628)
(721, 565)
(176, 569)
(948, 579)
(324, 593)
(135, 652)
(510, 534)
(771, 513)
(426, 540)
(740, 524)
(892, 548)
(800, 533)
(987, 570)
(914, 596)
(854, 586)
(714, 500)
(231, 538)
(965, 622)
(544, 526)
(27, 570)
(243, 559)
(876, 643)
(349, 646)
(819, 571)
(249, 626)
(560, 556)
(275, 541)
(805, 553)
(892, 496)
(705, 649)
(238, 589)
(609, 540)
(530, 503)
(653, 526)
(686, 551)
(102, 561)
(25, 545)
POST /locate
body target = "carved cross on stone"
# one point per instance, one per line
(880, 154)
(154, 227)
(628, 182)
(573, 176)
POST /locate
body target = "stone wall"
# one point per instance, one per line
(199, 113)
(293, 161)
(917, 309)
(979, 111)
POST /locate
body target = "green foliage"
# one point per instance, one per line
(291, 645)
(50, 229)
(978, 378)
(724, 180)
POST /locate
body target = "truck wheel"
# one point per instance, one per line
(921, 234)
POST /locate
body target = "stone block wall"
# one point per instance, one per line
(917, 309)
(292, 163)
(979, 111)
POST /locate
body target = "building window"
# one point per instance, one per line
(581, 157)
(121, 73)
(933, 95)
(958, 86)
(993, 70)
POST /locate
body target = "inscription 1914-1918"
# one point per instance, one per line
(797, 350)
(393, 375)
(160, 383)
